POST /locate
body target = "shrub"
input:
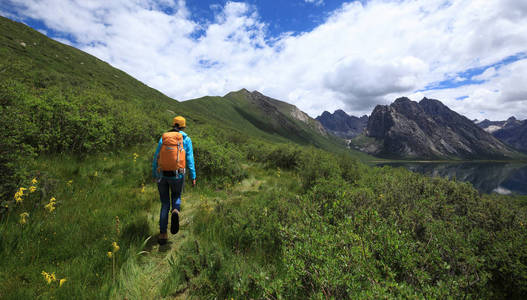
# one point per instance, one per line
(218, 164)
(316, 164)
(284, 156)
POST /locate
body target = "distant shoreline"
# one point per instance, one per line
(448, 161)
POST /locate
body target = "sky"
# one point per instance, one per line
(316, 54)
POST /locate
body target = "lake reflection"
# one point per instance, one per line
(502, 178)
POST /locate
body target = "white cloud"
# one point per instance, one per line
(316, 2)
(360, 56)
(486, 75)
(367, 82)
(502, 96)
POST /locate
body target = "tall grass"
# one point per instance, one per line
(72, 240)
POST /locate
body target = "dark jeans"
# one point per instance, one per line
(170, 193)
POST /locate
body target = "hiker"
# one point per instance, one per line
(173, 154)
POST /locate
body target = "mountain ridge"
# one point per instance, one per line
(263, 116)
(430, 130)
(343, 125)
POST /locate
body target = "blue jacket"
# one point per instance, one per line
(189, 154)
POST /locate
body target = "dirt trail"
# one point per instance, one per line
(142, 278)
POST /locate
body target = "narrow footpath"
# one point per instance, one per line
(142, 276)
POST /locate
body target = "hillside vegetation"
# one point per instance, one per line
(56, 99)
(275, 215)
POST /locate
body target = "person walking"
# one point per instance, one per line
(173, 156)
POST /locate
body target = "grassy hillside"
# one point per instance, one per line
(272, 216)
(259, 116)
(55, 98)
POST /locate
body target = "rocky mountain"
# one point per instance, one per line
(512, 131)
(342, 124)
(515, 136)
(493, 126)
(429, 130)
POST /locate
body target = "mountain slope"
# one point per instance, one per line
(492, 126)
(258, 115)
(57, 99)
(512, 132)
(430, 130)
(515, 136)
(342, 124)
(30, 57)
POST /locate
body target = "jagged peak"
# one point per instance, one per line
(325, 114)
(430, 101)
(257, 93)
(402, 100)
(341, 112)
(242, 91)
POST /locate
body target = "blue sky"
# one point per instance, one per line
(472, 76)
(281, 16)
(317, 54)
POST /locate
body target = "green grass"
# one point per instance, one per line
(72, 241)
(264, 222)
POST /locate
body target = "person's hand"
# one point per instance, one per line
(193, 182)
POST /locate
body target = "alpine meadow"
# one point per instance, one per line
(283, 209)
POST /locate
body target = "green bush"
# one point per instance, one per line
(360, 232)
(417, 236)
(285, 157)
(315, 165)
(217, 164)
(60, 120)
(16, 154)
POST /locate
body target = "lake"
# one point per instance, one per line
(501, 178)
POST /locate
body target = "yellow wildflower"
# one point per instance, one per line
(61, 282)
(32, 188)
(46, 276)
(49, 277)
(109, 254)
(142, 188)
(34, 181)
(70, 182)
(18, 195)
(51, 205)
(52, 200)
(115, 247)
(23, 217)
(95, 174)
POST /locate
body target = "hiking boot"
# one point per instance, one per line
(162, 238)
(174, 222)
